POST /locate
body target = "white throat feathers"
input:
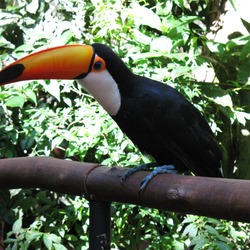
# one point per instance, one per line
(104, 89)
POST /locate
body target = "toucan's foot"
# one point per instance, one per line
(166, 169)
(143, 167)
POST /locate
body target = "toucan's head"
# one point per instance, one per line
(96, 67)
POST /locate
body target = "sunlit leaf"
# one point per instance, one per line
(18, 223)
(225, 101)
(47, 240)
(145, 16)
(242, 117)
(162, 43)
(59, 247)
(32, 96)
(53, 88)
(191, 230)
(33, 6)
(15, 101)
(56, 141)
(32, 235)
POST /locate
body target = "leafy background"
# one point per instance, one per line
(182, 43)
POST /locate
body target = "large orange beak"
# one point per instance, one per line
(64, 62)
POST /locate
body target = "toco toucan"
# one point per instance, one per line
(157, 118)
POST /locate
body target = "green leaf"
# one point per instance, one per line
(66, 36)
(24, 48)
(71, 237)
(53, 88)
(162, 43)
(15, 102)
(242, 117)
(47, 240)
(32, 96)
(225, 101)
(59, 247)
(32, 235)
(245, 52)
(55, 238)
(50, 239)
(214, 221)
(189, 219)
(223, 246)
(191, 230)
(145, 16)
(56, 141)
(33, 6)
(211, 229)
(16, 228)
(68, 101)
(142, 38)
(199, 241)
(28, 141)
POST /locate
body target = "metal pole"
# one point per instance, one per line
(99, 225)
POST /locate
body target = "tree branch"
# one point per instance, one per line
(213, 197)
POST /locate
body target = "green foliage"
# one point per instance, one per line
(164, 40)
(47, 220)
(208, 233)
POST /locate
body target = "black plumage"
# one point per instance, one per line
(161, 121)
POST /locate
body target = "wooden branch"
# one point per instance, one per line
(213, 197)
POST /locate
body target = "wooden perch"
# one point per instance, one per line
(213, 197)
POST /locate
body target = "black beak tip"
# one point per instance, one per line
(11, 73)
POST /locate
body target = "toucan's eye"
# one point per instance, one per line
(97, 66)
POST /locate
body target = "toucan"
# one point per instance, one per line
(157, 118)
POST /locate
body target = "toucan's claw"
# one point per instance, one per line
(143, 167)
(166, 169)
